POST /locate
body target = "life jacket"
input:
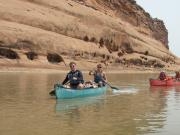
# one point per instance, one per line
(77, 74)
(98, 77)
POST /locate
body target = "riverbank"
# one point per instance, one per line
(112, 70)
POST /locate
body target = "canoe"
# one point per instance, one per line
(169, 82)
(63, 93)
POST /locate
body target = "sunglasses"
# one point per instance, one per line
(99, 67)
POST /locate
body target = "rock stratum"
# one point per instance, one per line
(50, 34)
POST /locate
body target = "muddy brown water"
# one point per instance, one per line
(27, 109)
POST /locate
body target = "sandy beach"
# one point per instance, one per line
(109, 70)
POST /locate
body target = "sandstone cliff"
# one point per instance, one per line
(49, 34)
(132, 13)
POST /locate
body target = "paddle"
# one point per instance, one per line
(52, 93)
(112, 87)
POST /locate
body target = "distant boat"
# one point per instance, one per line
(63, 93)
(169, 82)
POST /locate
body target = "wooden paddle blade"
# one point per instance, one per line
(114, 88)
(52, 93)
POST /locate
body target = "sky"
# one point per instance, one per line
(169, 12)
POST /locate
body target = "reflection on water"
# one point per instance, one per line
(137, 108)
(167, 97)
(76, 103)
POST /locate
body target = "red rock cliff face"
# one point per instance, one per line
(130, 12)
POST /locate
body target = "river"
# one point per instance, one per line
(135, 109)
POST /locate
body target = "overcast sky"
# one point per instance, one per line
(169, 12)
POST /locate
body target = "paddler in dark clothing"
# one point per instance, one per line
(74, 77)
